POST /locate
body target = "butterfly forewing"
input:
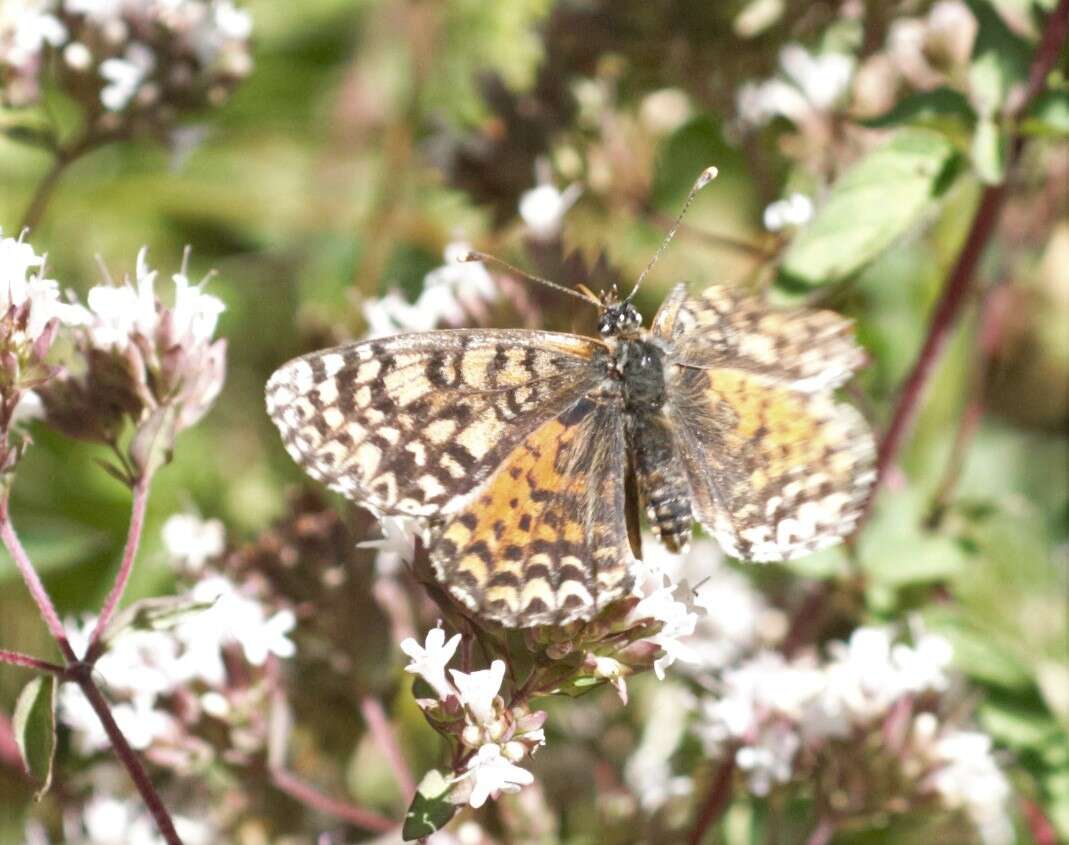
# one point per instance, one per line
(545, 541)
(410, 424)
(809, 350)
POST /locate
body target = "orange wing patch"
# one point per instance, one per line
(544, 541)
(775, 473)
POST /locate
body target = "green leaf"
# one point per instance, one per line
(989, 151)
(34, 725)
(158, 613)
(431, 808)
(896, 550)
(999, 59)
(1049, 114)
(875, 202)
(925, 107)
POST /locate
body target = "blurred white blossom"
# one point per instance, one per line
(648, 771)
(23, 288)
(542, 209)
(430, 660)
(192, 541)
(26, 28)
(967, 778)
(453, 294)
(794, 210)
(810, 85)
(107, 820)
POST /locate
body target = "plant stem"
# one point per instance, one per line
(959, 283)
(33, 582)
(822, 833)
(126, 755)
(126, 567)
(717, 800)
(10, 755)
(80, 672)
(384, 737)
(14, 658)
(310, 796)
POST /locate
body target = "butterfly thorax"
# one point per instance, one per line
(638, 362)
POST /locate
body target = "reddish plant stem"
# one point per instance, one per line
(81, 675)
(14, 658)
(9, 749)
(822, 833)
(1041, 828)
(310, 796)
(126, 567)
(80, 672)
(959, 283)
(384, 736)
(33, 583)
(717, 800)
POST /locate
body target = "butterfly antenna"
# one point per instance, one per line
(707, 176)
(474, 255)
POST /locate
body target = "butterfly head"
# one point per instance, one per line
(618, 319)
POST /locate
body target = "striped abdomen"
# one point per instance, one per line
(662, 483)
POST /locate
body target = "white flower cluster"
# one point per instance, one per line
(500, 738)
(109, 820)
(963, 771)
(139, 53)
(452, 294)
(129, 318)
(141, 667)
(725, 617)
(30, 312)
(811, 85)
(769, 708)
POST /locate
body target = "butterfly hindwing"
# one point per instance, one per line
(410, 424)
(777, 467)
(545, 540)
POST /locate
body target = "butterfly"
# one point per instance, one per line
(529, 453)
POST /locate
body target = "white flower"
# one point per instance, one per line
(794, 210)
(430, 661)
(678, 618)
(110, 821)
(647, 771)
(769, 759)
(233, 617)
(493, 773)
(26, 28)
(543, 208)
(195, 313)
(22, 284)
(735, 617)
(124, 76)
(192, 541)
(813, 85)
(451, 294)
(398, 543)
(478, 689)
(967, 778)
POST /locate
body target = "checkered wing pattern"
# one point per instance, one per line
(545, 541)
(411, 424)
(777, 467)
(808, 350)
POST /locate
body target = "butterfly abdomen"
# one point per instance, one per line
(662, 482)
